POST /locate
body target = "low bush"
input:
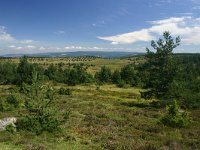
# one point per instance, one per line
(121, 84)
(13, 99)
(41, 112)
(176, 117)
(63, 91)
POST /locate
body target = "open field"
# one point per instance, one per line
(94, 64)
(108, 118)
(102, 116)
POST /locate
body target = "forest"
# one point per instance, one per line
(143, 102)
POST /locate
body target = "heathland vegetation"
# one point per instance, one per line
(98, 103)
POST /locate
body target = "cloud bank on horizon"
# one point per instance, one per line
(187, 27)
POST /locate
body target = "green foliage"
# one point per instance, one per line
(161, 66)
(2, 105)
(129, 75)
(10, 128)
(121, 84)
(42, 114)
(7, 73)
(71, 76)
(63, 91)
(116, 77)
(186, 84)
(25, 70)
(175, 117)
(13, 99)
(104, 75)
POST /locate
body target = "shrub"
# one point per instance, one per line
(42, 114)
(121, 84)
(63, 91)
(10, 128)
(2, 105)
(13, 99)
(147, 94)
(104, 75)
(175, 117)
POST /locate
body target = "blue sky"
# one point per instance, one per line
(37, 26)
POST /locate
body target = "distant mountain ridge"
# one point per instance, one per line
(104, 54)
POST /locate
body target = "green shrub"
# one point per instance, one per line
(10, 128)
(175, 117)
(42, 113)
(63, 91)
(2, 105)
(13, 99)
(121, 84)
(5, 106)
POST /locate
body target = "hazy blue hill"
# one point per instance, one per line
(78, 53)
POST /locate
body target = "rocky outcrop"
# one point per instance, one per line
(7, 121)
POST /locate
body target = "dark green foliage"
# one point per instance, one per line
(71, 76)
(175, 117)
(2, 105)
(104, 75)
(13, 99)
(186, 84)
(10, 128)
(116, 77)
(42, 114)
(25, 70)
(129, 75)
(121, 84)
(160, 65)
(147, 94)
(63, 91)
(55, 73)
(7, 73)
(10, 102)
(78, 75)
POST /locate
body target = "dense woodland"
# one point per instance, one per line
(172, 80)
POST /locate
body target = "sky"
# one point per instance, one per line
(39, 26)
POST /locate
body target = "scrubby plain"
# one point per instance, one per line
(103, 117)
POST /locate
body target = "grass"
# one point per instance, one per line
(106, 118)
(109, 118)
(94, 64)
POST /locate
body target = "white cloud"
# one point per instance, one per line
(127, 38)
(187, 28)
(30, 47)
(26, 41)
(12, 46)
(169, 20)
(4, 36)
(59, 32)
(19, 48)
(42, 48)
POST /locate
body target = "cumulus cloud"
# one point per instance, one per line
(127, 38)
(187, 27)
(4, 36)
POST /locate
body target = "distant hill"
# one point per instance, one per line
(103, 54)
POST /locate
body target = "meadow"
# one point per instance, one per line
(102, 116)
